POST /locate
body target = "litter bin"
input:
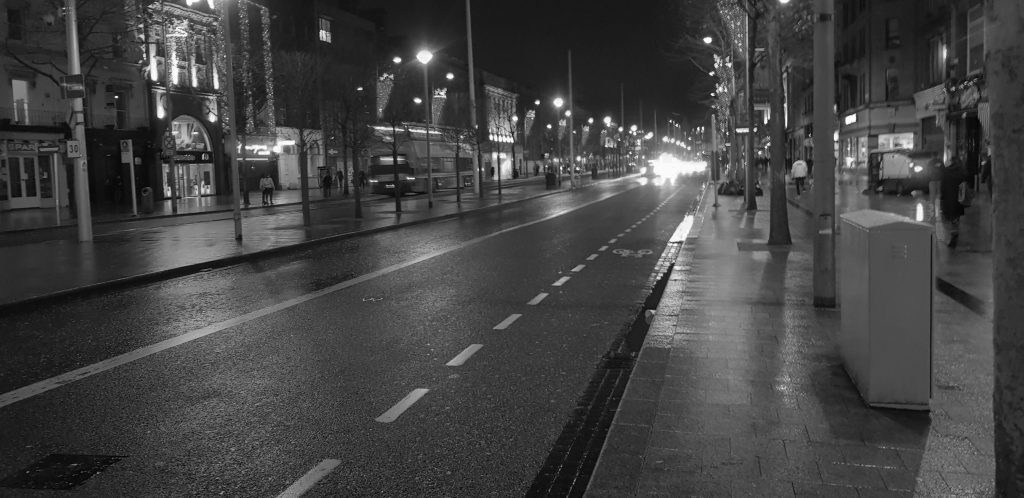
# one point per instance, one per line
(549, 180)
(885, 294)
(147, 200)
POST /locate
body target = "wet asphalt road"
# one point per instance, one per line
(277, 365)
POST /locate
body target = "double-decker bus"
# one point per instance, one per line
(381, 176)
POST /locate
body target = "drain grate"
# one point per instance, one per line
(58, 471)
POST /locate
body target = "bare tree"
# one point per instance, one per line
(1004, 47)
(296, 81)
(458, 132)
(107, 31)
(395, 116)
(348, 109)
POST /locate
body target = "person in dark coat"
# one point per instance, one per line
(953, 175)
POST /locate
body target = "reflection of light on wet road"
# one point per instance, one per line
(683, 229)
(919, 212)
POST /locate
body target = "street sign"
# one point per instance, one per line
(169, 145)
(126, 151)
(72, 86)
(193, 157)
(74, 148)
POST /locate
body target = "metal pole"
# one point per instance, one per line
(131, 171)
(78, 123)
(231, 144)
(478, 160)
(824, 158)
(171, 165)
(572, 153)
(622, 120)
(715, 173)
(750, 188)
(426, 109)
(57, 166)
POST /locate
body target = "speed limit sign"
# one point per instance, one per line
(74, 148)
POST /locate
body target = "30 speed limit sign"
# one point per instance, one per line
(74, 148)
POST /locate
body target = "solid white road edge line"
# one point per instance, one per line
(559, 282)
(537, 299)
(396, 411)
(459, 360)
(78, 374)
(578, 268)
(298, 488)
(508, 321)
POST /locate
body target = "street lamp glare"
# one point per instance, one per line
(549, 126)
(707, 40)
(396, 59)
(424, 56)
(632, 127)
(536, 102)
(558, 101)
(783, 2)
(417, 100)
(607, 120)
(590, 120)
(515, 119)
(450, 76)
(568, 113)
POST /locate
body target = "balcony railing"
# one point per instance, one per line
(30, 116)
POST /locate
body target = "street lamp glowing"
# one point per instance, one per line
(450, 76)
(417, 100)
(549, 126)
(424, 56)
(632, 128)
(590, 120)
(707, 40)
(607, 120)
(558, 102)
(568, 113)
(783, 2)
(536, 102)
(396, 59)
(515, 119)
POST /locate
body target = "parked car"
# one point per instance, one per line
(902, 171)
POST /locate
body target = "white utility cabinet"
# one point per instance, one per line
(885, 296)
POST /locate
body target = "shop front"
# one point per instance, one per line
(31, 175)
(194, 161)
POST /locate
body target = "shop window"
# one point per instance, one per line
(975, 40)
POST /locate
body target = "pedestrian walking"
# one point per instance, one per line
(325, 184)
(267, 186)
(952, 195)
(362, 179)
(341, 180)
(799, 173)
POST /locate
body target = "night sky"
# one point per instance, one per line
(612, 42)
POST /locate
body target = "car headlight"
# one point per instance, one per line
(374, 180)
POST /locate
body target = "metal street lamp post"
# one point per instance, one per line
(424, 57)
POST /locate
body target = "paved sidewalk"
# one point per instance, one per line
(739, 389)
(51, 262)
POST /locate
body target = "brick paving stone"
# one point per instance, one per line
(809, 489)
(899, 479)
(759, 488)
(644, 389)
(964, 484)
(846, 474)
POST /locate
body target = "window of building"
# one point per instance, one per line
(865, 89)
(862, 43)
(19, 90)
(116, 49)
(117, 100)
(325, 30)
(892, 32)
(892, 84)
(936, 60)
(975, 40)
(15, 28)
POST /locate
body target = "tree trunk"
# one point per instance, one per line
(778, 233)
(394, 165)
(458, 176)
(303, 177)
(346, 174)
(750, 188)
(354, 180)
(1004, 58)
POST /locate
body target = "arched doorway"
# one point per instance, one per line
(193, 160)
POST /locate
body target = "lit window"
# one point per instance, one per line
(325, 30)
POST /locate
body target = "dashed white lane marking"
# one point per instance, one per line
(613, 241)
(396, 411)
(508, 321)
(298, 488)
(592, 257)
(602, 248)
(628, 230)
(537, 299)
(559, 282)
(459, 360)
(87, 371)
(621, 235)
(578, 268)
